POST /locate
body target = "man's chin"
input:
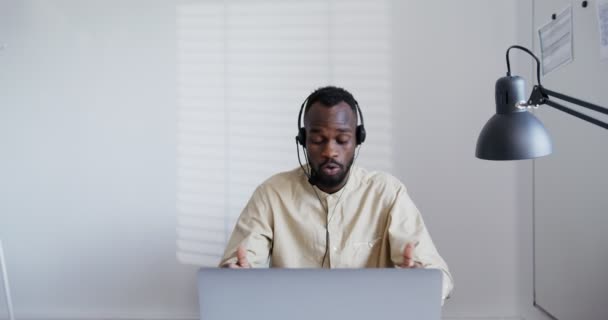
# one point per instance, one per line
(331, 181)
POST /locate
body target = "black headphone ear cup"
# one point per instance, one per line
(360, 134)
(302, 137)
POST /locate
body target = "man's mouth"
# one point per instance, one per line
(330, 169)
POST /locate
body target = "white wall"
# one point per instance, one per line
(524, 66)
(88, 190)
(88, 130)
(571, 180)
(448, 56)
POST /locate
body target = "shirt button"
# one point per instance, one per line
(335, 248)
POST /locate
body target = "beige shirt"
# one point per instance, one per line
(369, 222)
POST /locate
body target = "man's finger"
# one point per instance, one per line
(408, 256)
(241, 256)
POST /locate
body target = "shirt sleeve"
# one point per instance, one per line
(406, 226)
(253, 231)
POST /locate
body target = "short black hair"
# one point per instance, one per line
(330, 96)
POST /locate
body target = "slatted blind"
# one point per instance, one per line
(244, 69)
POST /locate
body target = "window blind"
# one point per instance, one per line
(243, 70)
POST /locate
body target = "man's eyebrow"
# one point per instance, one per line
(342, 129)
(320, 128)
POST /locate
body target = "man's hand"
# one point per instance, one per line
(408, 257)
(241, 262)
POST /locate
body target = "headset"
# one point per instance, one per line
(301, 137)
(360, 135)
(360, 132)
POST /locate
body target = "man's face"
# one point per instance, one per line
(331, 143)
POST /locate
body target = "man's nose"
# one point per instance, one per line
(330, 150)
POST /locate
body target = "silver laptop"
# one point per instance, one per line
(316, 294)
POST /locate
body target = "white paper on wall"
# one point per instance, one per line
(602, 19)
(556, 41)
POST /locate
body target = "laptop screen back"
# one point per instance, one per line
(314, 294)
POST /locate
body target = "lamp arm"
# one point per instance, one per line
(541, 95)
(576, 101)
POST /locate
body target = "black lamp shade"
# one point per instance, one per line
(513, 136)
(512, 133)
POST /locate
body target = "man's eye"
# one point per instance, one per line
(343, 140)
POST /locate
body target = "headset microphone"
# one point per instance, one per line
(312, 179)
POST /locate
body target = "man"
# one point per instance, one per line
(332, 214)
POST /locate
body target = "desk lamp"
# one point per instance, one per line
(514, 133)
